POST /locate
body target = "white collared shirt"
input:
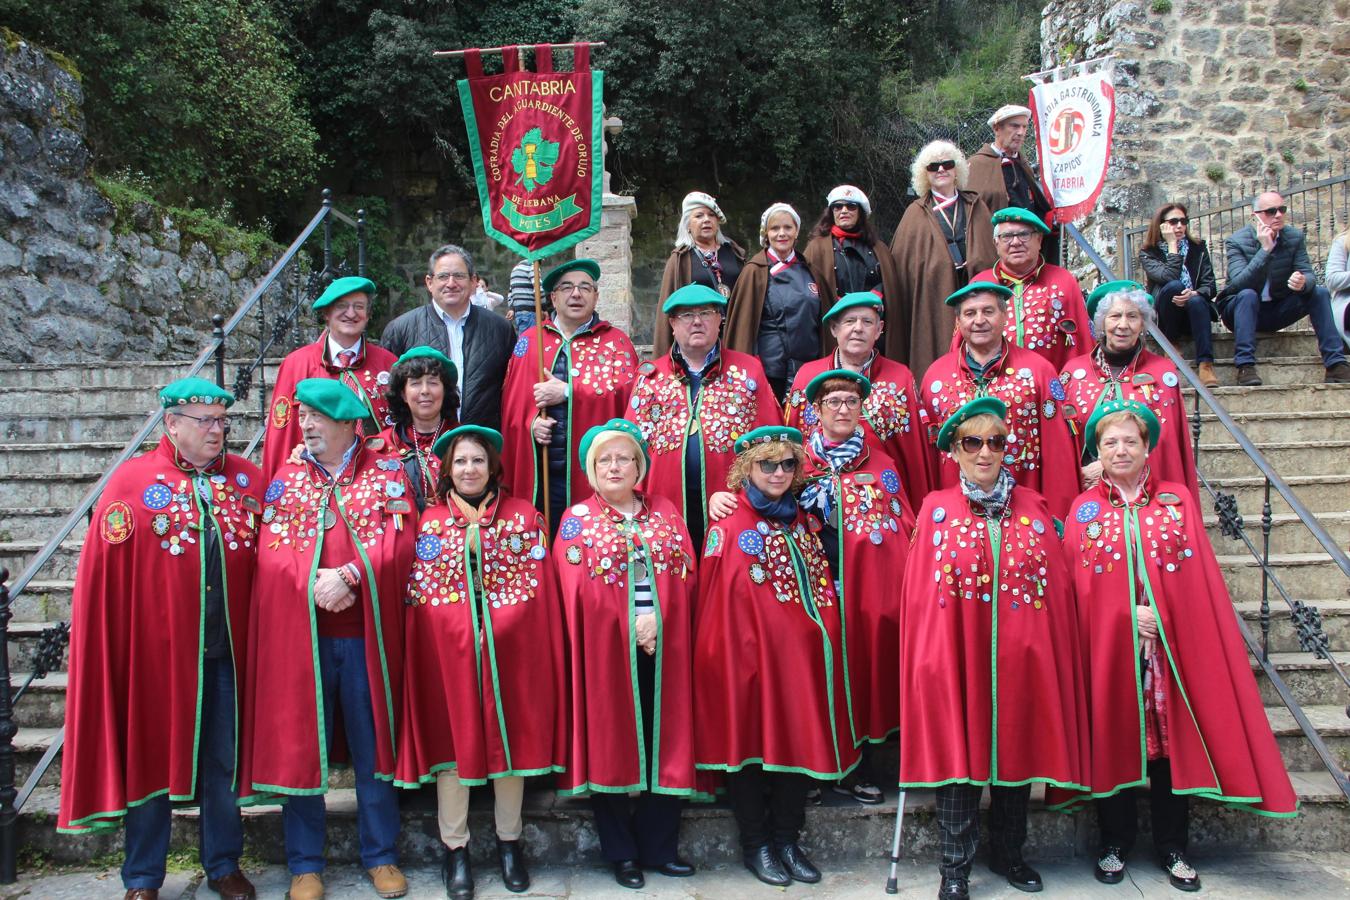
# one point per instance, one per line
(334, 348)
(454, 332)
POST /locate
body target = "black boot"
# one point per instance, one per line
(1019, 874)
(512, 858)
(797, 865)
(457, 875)
(954, 888)
(767, 867)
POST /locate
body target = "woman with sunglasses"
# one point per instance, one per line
(990, 670)
(1120, 367)
(944, 238)
(422, 396)
(702, 255)
(850, 256)
(627, 578)
(1180, 277)
(770, 666)
(1172, 700)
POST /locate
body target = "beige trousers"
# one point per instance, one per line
(452, 807)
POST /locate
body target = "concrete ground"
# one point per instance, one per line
(1256, 875)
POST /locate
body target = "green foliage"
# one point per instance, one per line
(1301, 84)
(1215, 173)
(379, 238)
(1162, 7)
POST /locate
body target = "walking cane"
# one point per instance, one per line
(892, 887)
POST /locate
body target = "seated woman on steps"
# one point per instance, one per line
(1181, 279)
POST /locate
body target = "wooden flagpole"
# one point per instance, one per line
(539, 345)
(522, 48)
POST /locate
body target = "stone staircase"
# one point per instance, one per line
(61, 426)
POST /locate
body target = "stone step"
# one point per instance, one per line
(54, 490)
(34, 523)
(1288, 534)
(114, 374)
(1298, 340)
(24, 638)
(1332, 725)
(1319, 493)
(16, 555)
(38, 426)
(42, 601)
(1283, 634)
(86, 456)
(1311, 680)
(561, 831)
(1224, 458)
(1287, 370)
(1270, 397)
(1306, 576)
(1276, 426)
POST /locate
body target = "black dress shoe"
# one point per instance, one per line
(1019, 875)
(797, 865)
(627, 873)
(767, 866)
(676, 868)
(1110, 867)
(954, 889)
(514, 876)
(1179, 873)
(457, 875)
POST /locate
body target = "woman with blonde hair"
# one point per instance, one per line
(944, 237)
(702, 255)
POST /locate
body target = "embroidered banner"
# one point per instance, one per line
(1074, 119)
(535, 139)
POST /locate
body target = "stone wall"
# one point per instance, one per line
(78, 284)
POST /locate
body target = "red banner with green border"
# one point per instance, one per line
(535, 139)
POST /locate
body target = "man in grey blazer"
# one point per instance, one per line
(1271, 285)
(477, 340)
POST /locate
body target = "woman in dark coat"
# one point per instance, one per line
(1181, 279)
(702, 255)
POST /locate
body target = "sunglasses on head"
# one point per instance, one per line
(1270, 211)
(843, 204)
(769, 466)
(942, 164)
(1178, 220)
(972, 443)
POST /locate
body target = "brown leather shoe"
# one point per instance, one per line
(1247, 376)
(308, 886)
(142, 894)
(388, 881)
(1207, 377)
(1338, 374)
(233, 886)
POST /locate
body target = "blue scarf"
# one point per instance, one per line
(991, 503)
(821, 495)
(782, 510)
(1184, 247)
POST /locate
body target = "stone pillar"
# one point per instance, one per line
(612, 247)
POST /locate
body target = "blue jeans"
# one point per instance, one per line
(342, 666)
(523, 321)
(1246, 315)
(1193, 319)
(222, 834)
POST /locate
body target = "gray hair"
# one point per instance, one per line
(1140, 299)
(919, 178)
(1256, 198)
(450, 250)
(684, 239)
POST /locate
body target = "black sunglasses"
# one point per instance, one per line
(1177, 221)
(972, 444)
(1272, 211)
(843, 204)
(769, 466)
(942, 164)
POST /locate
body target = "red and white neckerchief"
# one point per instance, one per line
(1004, 158)
(940, 206)
(777, 265)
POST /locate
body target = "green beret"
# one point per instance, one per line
(692, 296)
(194, 390)
(815, 384)
(332, 398)
(977, 407)
(589, 266)
(424, 352)
(1114, 406)
(622, 425)
(857, 298)
(978, 287)
(1018, 214)
(768, 434)
(1100, 291)
(443, 443)
(340, 288)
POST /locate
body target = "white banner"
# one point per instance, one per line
(1074, 118)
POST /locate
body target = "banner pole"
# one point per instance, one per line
(539, 345)
(572, 46)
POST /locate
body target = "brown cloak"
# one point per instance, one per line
(820, 254)
(926, 276)
(986, 179)
(741, 329)
(677, 274)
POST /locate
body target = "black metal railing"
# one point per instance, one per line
(268, 323)
(1305, 617)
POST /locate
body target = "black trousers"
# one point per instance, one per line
(958, 815)
(645, 828)
(769, 806)
(1170, 814)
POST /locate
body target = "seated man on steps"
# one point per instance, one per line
(1271, 285)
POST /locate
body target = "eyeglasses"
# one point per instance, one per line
(695, 315)
(206, 423)
(942, 164)
(443, 277)
(841, 402)
(359, 308)
(1273, 210)
(610, 462)
(769, 466)
(1177, 220)
(843, 204)
(569, 288)
(1014, 237)
(972, 444)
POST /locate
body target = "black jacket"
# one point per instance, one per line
(488, 341)
(1250, 266)
(1160, 267)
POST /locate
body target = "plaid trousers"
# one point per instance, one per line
(958, 815)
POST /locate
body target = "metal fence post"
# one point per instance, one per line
(9, 817)
(361, 243)
(218, 332)
(327, 230)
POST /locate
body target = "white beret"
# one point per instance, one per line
(695, 199)
(1007, 112)
(851, 194)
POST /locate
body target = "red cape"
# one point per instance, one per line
(602, 367)
(429, 464)
(133, 700)
(285, 752)
(990, 692)
(484, 688)
(874, 546)
(1036, 315)
(891, 421)
(606, 751)
(735, 398)
(1154, 382)
(368, 377)
(769, 657)
(1043, 456)
(1219, 739)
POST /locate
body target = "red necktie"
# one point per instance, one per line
(346, 358)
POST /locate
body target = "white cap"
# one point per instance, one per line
(850, 194)
(1007, 112)
(768, 213)
(694, 199)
